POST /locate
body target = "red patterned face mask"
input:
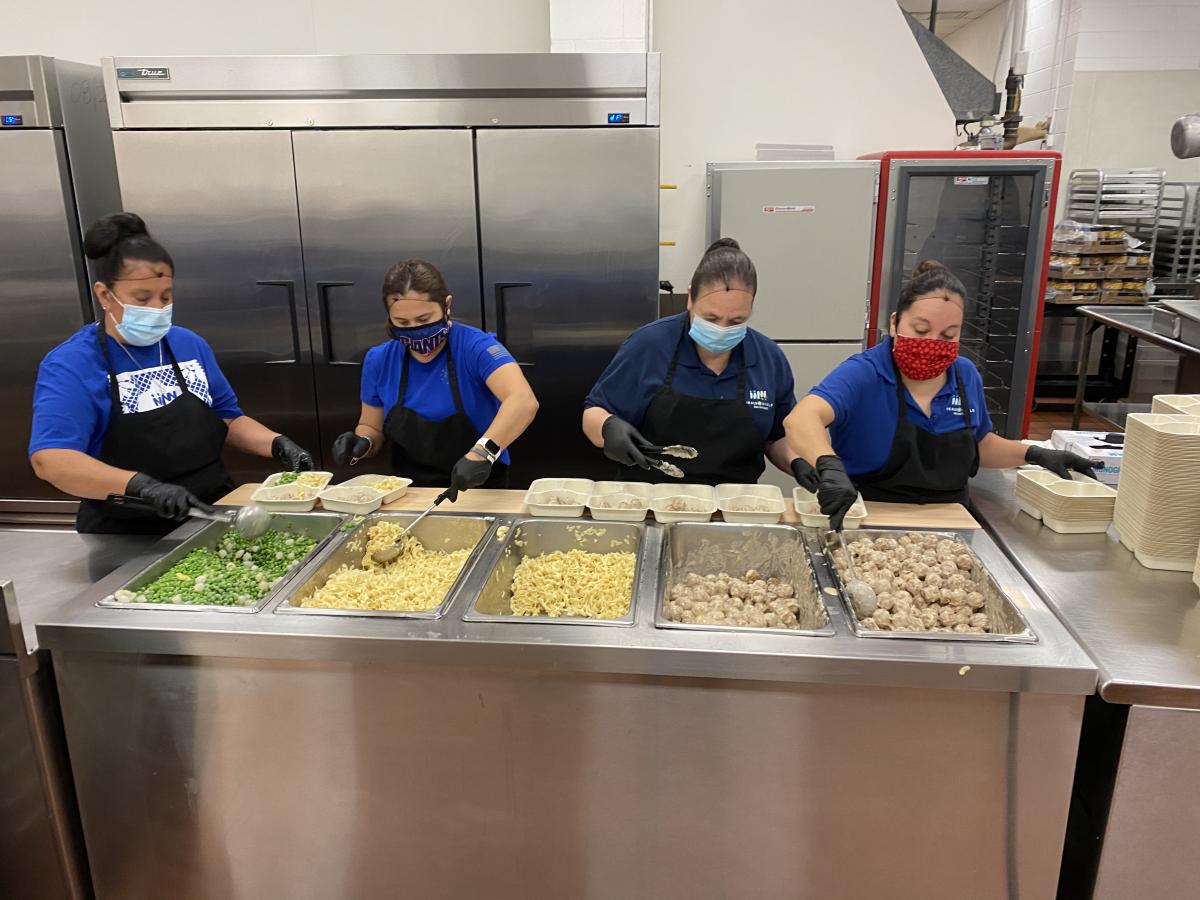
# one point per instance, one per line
(923, 358)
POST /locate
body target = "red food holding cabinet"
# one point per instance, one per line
(987, 215)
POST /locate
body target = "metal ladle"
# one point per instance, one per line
(387, 554)
(861, 595)
(250, 521)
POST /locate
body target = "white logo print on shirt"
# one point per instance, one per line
(758, 400)
(153, 388)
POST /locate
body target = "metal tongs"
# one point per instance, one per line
(678, 451)
(387, 554)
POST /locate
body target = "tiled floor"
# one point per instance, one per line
(1045, 420)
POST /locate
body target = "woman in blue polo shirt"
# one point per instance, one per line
(137, 406)
(941, 434)
(702, 379)
(449, 397)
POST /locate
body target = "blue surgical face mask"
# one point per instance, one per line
(143, 325)
(421, 339)
(716, 338)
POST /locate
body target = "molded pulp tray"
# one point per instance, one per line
(320, 526)
(436, 532)
(1008, 623)
(536, 537)
(709, 548)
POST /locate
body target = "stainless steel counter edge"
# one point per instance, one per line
(1054, 665)
(1141, 626)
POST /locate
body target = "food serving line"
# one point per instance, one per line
(343, 755)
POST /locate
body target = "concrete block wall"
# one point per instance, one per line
(599, 26)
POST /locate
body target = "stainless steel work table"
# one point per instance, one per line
(1136, 821)
(342, 756)
(41, 845)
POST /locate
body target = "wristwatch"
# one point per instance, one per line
(488, 449)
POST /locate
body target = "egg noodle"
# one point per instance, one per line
(575, 583)
(415, 581)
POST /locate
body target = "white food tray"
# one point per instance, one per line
(335, 499)
(272, 480)
(603, 513)
(809, 511)
(373, 480)
(539, 503)
(663, 494)
(769, 496)
(266, 497)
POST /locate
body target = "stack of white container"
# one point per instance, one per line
(1080, 505)
(1177, 404)
(1157, 513)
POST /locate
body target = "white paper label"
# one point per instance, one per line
(783, 209)
(971, 180)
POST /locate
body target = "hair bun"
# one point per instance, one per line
(928, 265)
(105, 233)
(721, 244)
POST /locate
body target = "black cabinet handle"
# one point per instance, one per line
(323, 289)
(499, 288)
(295, 324)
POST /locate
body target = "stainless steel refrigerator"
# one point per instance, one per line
(58, 174)
(809, 226)
(285, 186)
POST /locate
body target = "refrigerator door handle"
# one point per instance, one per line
(295, 324)
(502, 313)
(323, 289)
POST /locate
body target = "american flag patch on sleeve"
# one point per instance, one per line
(497, 351)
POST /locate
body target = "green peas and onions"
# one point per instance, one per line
(236, 572)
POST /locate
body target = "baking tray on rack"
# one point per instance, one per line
(710, 548)
(320, 526)
(435, 532)
(1013, 626)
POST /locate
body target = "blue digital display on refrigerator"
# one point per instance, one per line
(12, 120)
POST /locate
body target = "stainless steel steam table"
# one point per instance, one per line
(319, 756)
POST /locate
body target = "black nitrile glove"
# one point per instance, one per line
(623, 443)
(1061, 462)
(836, 493)
(468, 473)
(171, 501)
(805, 475)
(349, 448)
(291, 454)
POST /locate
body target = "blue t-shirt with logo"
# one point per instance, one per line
(862, 392)
(477, 354)
(71, 402)
(637, 372)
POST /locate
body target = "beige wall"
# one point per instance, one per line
(978, 42)
(796, 71)
(1123, 120)
(84, 30)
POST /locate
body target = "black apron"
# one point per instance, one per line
(923, 467)
(724, 431)
(180, 443)
(425, 450)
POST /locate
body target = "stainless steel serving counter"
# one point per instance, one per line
(1054, 664)
(1141, 626)
(1135, 822)
(311, 755)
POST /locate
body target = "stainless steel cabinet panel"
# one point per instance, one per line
(368, 199)
(224, 204)
(810, 229)
(41, 285)
(569, 227)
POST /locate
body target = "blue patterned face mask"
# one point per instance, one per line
(421, 339)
